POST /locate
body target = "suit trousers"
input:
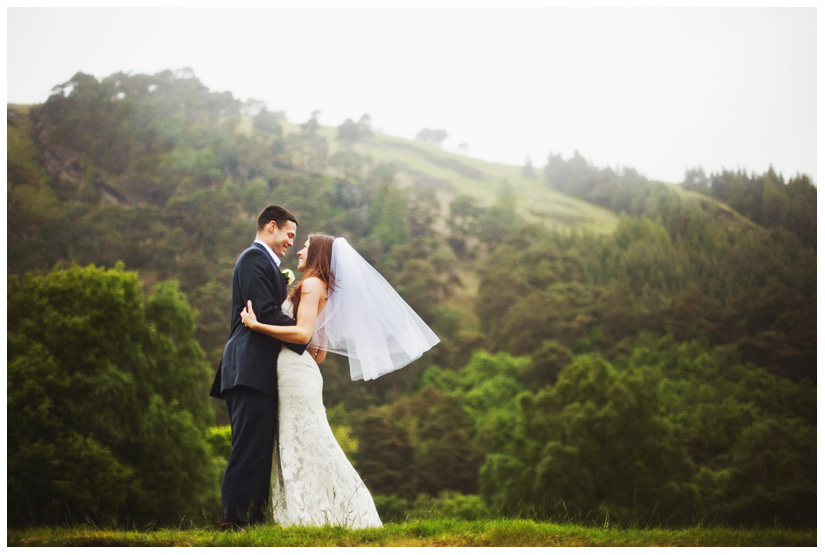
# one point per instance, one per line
(245, 489)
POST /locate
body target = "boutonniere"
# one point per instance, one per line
(289, 277)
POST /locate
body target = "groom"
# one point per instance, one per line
(247, 375)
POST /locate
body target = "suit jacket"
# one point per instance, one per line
(251, 358)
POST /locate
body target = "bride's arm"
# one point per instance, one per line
(312, 289)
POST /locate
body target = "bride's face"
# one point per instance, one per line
(302, 257)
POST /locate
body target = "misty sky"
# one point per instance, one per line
(658, 90)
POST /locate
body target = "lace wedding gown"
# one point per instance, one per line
(316, 484)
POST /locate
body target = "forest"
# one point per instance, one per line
(612, 347)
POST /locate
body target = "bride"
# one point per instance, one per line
(342, 305)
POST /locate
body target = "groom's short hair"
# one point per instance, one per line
(277, 214)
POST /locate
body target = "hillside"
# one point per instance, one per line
(453, 174)
(448, 173)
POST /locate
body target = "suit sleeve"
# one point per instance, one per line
(257, 285)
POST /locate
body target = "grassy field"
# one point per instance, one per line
(425, 533)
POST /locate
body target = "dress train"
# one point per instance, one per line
(313, 482)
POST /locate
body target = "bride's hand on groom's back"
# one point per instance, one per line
(248, 316)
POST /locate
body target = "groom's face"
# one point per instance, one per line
(282, 238)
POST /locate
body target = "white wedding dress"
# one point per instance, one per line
(313, 482)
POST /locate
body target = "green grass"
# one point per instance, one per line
(424, 533)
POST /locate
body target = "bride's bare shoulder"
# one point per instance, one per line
(313, 284)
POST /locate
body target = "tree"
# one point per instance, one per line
(464, 223)
(500, 220)
(268, 122)
(108, 413)
(773, 476)
(311, 126)
(595, 444)
(547, 363)
(433, 137)
(527, 169)
(365, 127)
(348, 132)
(424, 210)
(695, 180)
(348, 164)
(563, 311)
(385, 455)
(446, 459)
(421, 287)
(488, 387)
(388, 217)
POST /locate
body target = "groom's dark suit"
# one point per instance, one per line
(247, 379)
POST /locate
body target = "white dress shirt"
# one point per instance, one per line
(271, 252)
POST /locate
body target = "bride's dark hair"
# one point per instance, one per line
(317, 264)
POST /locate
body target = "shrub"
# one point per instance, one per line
(107, 401)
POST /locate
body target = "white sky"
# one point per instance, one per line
(658, 90)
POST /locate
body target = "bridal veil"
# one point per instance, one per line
(366, 320)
